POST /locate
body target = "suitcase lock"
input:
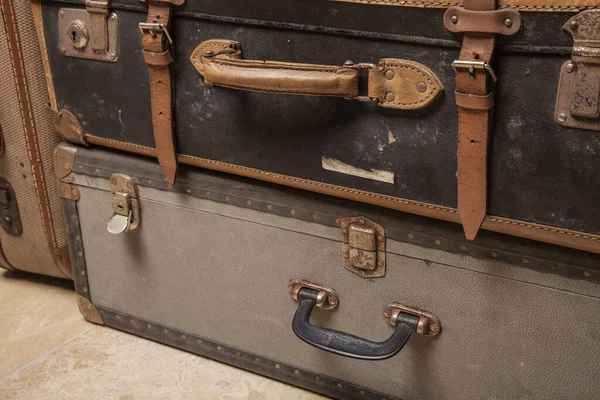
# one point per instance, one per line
(363, 247)
(126, 205)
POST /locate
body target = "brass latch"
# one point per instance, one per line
(578, 98)
(327, 298)
(91, 33)
(126, 205)
(363, 247)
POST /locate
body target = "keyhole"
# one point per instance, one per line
(74, 35)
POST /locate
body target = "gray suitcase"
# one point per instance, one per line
(344, 299)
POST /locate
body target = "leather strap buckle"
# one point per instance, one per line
(472, 66)
(155, 28)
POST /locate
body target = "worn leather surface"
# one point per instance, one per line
(158, 56)
(474, 123)
(260, 131)
(502, 336)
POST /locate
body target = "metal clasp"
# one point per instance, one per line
(126, 205)
(350, 64)
(428, 323)
(472, 66)
(363, 247)
(153, 27)
(327, 298)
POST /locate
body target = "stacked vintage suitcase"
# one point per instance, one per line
(324, 225)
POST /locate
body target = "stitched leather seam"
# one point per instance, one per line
(428, 4)
(293, 67)
(19, 63)
(263, 90)
(424, 100)
(356, 192)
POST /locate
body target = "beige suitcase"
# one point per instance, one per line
(33, 236)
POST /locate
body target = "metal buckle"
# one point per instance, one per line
(350, 64)
(475, 65)
(153, 28)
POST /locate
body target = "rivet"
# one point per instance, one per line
(199, 341)
(463, 247)
(277, 366)
(113, 54)
(293, 212)
(270, 207)
(587, 274)
(149, 181)
(494, 254)
(238, 354)
(570, 67)
(188, 190)
(389, 74)
(257, 360)
(149, 326)
(348, 63)
(131, 321)
(361, 221)
(315, 216)
(390, 97)
(318, 378)
(67, 166)
(183, 336)
(119, 317)
(438, 242)
(411, 236)
(82, 273)
(249, 202)
(80, 254)
(574, 25)
(78, 238)
(332, 301)
(508, 22)
(209, 53)
(387, 313)
(113, 17)
(297, 372)
(454, 19)
(227, 198)
(165, 331)
(346, 255)
(338, 221)
(63, 50)
(380, 238)
(562, 117)
(85, 290)
(421, 87)
(345, 230)
(97, 170)
(219, 348)
(340, 385)
(525, 260)
(554, 266)
(62, 13)
(380, 263)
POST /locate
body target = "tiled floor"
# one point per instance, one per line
(49, 352)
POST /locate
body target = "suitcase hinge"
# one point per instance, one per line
(91, 33)
(578, 98)
(363, 247)
(10, 218)
(126, 205)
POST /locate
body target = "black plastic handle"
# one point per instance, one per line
(345, 344)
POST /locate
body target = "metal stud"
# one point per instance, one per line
(390, 97)
(570, 67)
(508, 22)
(454, 19)
(389, 74)
(562, 117)
(421, 87)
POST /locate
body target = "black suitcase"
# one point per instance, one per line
(112, 87)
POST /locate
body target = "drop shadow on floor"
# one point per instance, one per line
(37, 279)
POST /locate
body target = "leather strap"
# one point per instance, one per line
(393, 83)
(475, 101)
(157, 54)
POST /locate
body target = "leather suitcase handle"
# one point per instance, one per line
(345, 344)
(394, 83)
